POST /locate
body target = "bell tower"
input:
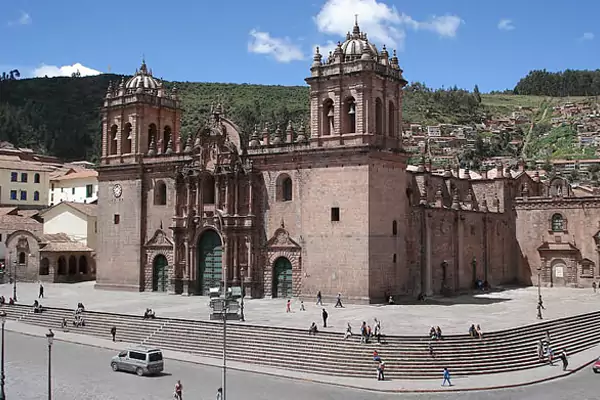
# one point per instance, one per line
(139, 118)
(356, 95)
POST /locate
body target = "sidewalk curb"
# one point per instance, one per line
(76, 340)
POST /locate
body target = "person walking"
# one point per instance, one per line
(564, 359)
(325, 315)
(446, 377)
(113, 332)
(41, 294)
(319, 298)
(288, 307)
(338, 303)
(302, 306)
(594, 286)
(178, 390)
(380, 371)
(348, 332)
(540, 350)
(220, 394)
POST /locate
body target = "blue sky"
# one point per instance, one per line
(439, 42)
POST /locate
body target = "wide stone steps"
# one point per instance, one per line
(406, 357)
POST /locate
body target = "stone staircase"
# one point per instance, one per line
(405, 356)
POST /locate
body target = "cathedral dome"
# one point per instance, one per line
(356, 43)
(143, 79)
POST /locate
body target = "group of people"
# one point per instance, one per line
(475, 332)
(178, 394)
(435, 333)
(11, 301)
(545, 351)
(313, 327)
(366, 333)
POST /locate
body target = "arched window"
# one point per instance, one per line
(45, 266)
(208, 189)
(112, 143)
(22, 257)
(160, 193)
(394, 227)
(36, 196)
(166, 138)
(83, 265)
(151, 134)
(558, 223)
(349, 115)
(378, 116)
(72, 265)
(391, 119)
(126, 139)
(284, 188)
(394, 258)
(62, 266)
(328, 117)
(36, 178)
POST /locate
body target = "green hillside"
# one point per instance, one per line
(61, 116)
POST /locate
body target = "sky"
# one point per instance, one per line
(442, 43)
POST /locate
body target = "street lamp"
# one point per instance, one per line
(50, 337)
(2, 394)
(225, 307)
(243, 273)
(15, 280)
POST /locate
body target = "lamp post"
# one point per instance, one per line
(50, 337)
(15, 280)
(243, 273)
(2, 394)
(225, 307)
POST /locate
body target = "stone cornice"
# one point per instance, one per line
(546, 203)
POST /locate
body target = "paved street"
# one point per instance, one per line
(82, 372)
(493, 311)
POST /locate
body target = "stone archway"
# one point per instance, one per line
(160, 273)
(558, 275)
(282, 278)
(209, 262)
(281, 246)
(62, 266)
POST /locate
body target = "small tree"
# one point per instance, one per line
(476, 94)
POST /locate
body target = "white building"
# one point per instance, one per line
(74, 186)
(77, 220)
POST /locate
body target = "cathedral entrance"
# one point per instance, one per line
(160, 274)
(282, 278)
(210, 270)
(559, 272)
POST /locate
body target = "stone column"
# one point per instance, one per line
(197, 195)
(236, 265)
(218, 180)
(249, 267)
(236, 202)
(186, 271)
(227, 202)
(200, 197)
(188, 183)
(250, 203)
(428, 275)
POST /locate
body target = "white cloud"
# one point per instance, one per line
(588, 36)
(65, 70)
(324, 49)
(24, 19)
(281, 49)
(382, 22)
(506, 25)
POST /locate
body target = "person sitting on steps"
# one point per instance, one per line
(472, 331)
(313, 329)
(149, 314)
(11, 301)
(37, 307)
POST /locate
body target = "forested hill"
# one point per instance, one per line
(560, 84)
(61, 116)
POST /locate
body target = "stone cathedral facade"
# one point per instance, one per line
(327, 206)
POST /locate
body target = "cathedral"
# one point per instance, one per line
(329, 206)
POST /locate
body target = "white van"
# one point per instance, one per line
(141, 359)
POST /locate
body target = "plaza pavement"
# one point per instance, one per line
(470, 383)
(493, 311)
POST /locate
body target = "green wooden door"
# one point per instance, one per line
(282, 278)
(160, 274)
(209, 261)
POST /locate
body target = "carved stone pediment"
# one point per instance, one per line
(281, 239)
(159, 239)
